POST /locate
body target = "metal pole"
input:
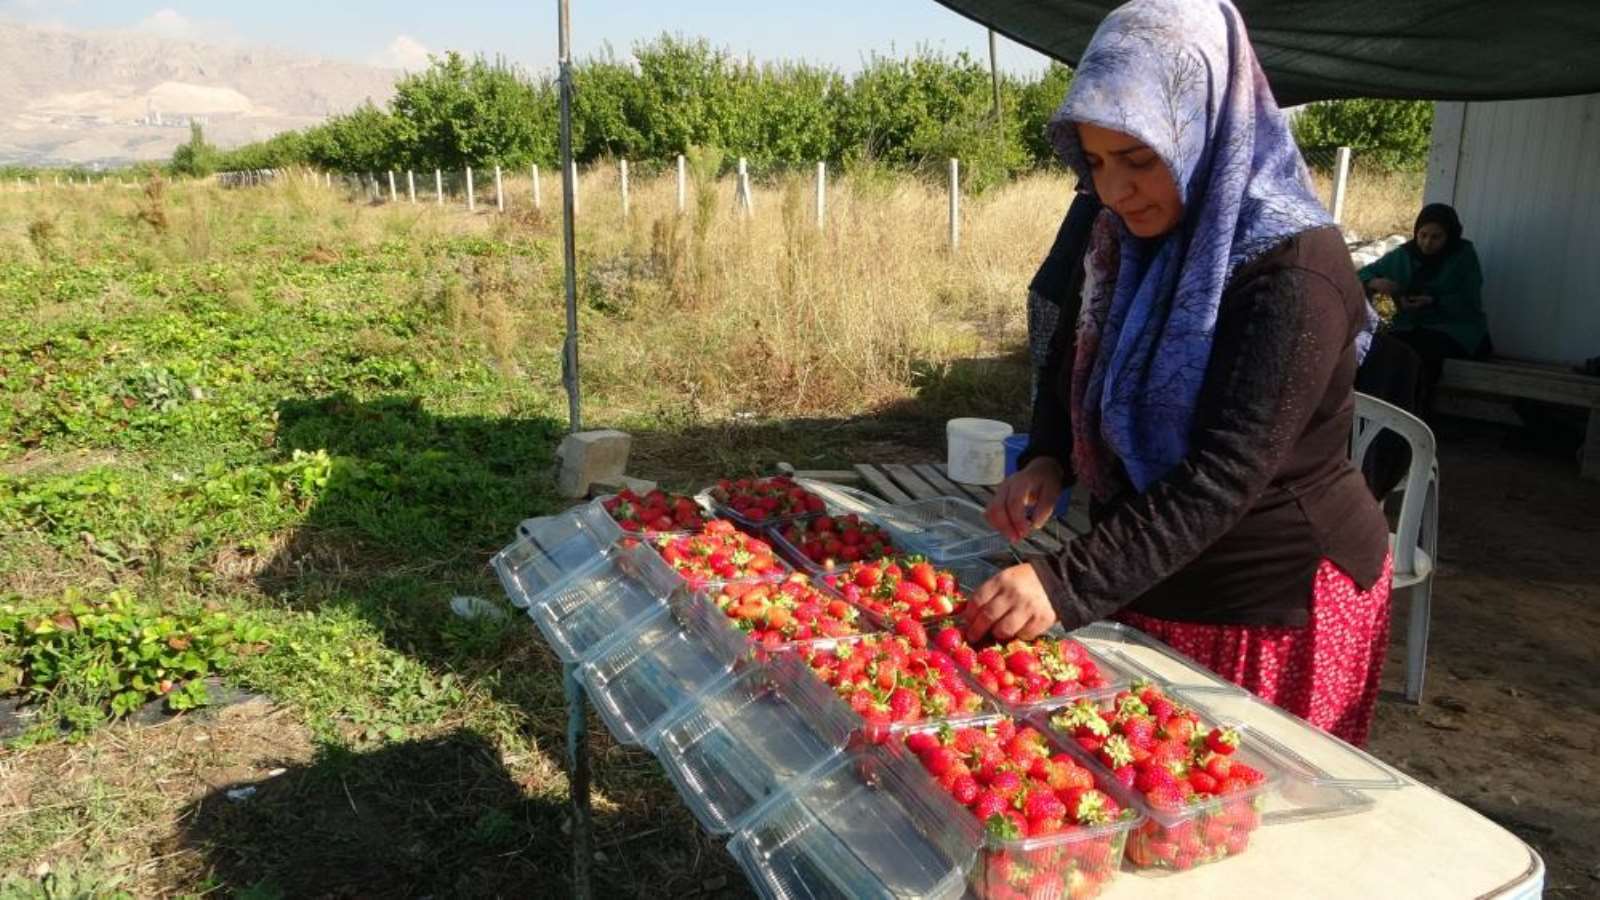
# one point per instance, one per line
(994, 74)
(578, 779)
(577, 728)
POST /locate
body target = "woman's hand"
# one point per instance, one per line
(1012, 604)
(1026, 500)
(1384, 286)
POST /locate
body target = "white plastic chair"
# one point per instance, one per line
(1415, 543)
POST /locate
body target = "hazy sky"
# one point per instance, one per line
(402, 32)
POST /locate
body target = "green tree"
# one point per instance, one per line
(196, 158)
(459, 113)
(1387, 134)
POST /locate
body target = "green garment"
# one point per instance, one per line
(1456, 289)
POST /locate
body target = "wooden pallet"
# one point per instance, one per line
(900, 483)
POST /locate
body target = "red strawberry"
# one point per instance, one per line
(1006, 783)
(965, 789)
(1140, 732)
(912, 631)
(989, 804)
(949, 639)
(920, 742)
(1042, 803)
(1222, 740)
(1202, 782)
(1165, 797)
(939, 760)
(904, 706)
(1127, 775)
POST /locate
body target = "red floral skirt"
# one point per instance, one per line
(1325, 672)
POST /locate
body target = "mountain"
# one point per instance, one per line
(115, 97)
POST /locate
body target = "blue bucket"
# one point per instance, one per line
(1016, 445)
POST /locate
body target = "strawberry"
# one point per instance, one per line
(921, 742)
(1006, 783)
(965, 789)
(884, 587)
(988, 805)
(717, 552)
(1222, 740)
(938, 760)
(904, 705)
(903, 683)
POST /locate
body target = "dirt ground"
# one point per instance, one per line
(1510, 713)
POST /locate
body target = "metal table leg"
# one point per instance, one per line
(578, 783)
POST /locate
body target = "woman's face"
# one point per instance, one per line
(1131, 179)
(1431, 238)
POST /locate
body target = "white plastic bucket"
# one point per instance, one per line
(977, 450)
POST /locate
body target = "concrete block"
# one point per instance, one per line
(614, 485)
(590, 456)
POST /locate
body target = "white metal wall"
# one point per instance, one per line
(1525, 177)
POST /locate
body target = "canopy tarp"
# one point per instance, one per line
(1324, 49)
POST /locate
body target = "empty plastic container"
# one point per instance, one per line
(605, 598)
(747, 739)
(638, 678)
(855, 828)
(944, 529)
(550, 548)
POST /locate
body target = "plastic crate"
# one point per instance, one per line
(855, 828)
(638, 679)
(1075, 863)
(744, 741)
(943, 529)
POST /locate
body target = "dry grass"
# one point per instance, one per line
(1376, 204)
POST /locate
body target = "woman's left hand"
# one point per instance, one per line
(1012, 604)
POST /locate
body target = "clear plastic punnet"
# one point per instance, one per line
(840, 498)
(1322, 775)
(856, 827)
(819, 659)
(752, 523)
(1074, 863)
(1197, 831)
(943, 529)
(550, 548)
(651, 557)
(1053, 649)
(606, 598)
(748, 739)
(638, 678)
(796, 555)
(1146, 656)
(883, 609)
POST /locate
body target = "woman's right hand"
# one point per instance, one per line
(1026, 500)
(1384, 286)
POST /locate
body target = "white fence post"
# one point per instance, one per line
(472, 201)
(955, 203)
(623, 169)
(411, 186)
(575, 192)
(393, 194)
(746, 205)
(499, 192)
(438, 188)
(682, 179)
(538, 202)
(1341, 179)
(822, 194)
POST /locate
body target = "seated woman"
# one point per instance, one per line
(1435, 281)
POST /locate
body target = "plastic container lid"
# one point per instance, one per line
(637, 679)
(748, 738)
(855, 828)
(944, 529)
(611, 595)
(839, 498)
(978, 429)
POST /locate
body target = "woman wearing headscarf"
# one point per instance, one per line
(1435, 280)
(1204, 398)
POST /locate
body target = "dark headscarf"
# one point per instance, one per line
(1428, 265)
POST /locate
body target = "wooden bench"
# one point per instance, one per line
(900, 482)
(1532, 381)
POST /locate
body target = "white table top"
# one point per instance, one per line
(1413, 842)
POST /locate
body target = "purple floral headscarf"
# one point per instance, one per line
(1180, 76)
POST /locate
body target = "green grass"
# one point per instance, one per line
(319, 420)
